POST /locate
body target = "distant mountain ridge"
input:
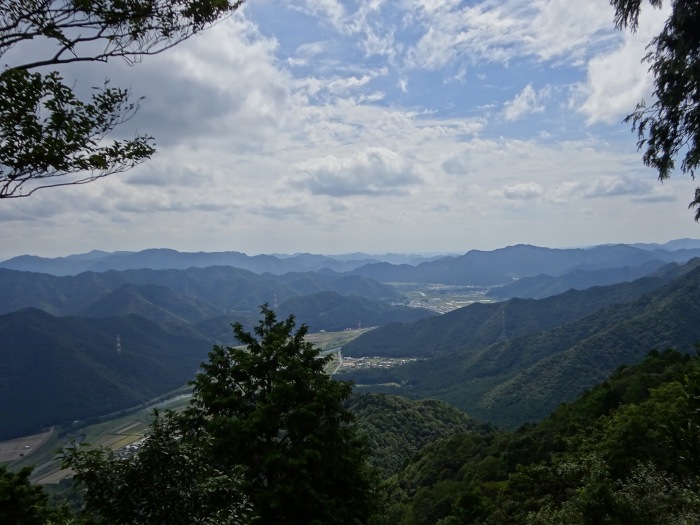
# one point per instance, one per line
(225, 288)
(163, 258)
(541, 286)
(483, 324)
(476, 267)
(506, 362)
(502, 266)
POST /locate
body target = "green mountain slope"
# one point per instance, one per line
(482, 324)
(55, 370)
(541, 286)
(397, 428)
(524, 378)
(157, 303)
(499, 478)
(225, 288)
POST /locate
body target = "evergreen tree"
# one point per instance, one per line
(272, 409)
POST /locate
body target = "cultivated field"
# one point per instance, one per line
(16, 449)
(441, 298)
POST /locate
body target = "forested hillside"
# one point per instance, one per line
(225, 288)
(132, 337)
(520, 379)
(331, 311)
(482, 324)
(58, 369)
(541, 286)
(397, 428)
(624, 452)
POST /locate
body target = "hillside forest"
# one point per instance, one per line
(560, 407)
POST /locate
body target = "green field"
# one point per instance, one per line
(329, 340)
(441, 297)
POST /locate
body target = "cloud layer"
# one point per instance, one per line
(414, 125)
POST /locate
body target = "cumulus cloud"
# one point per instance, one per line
(374, 171)
(523, 191)
(563, 192)
(272, 127)
(615, 186)
(526, 102)
(617, 80)
(311, 49)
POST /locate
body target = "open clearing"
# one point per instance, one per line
(16, 449)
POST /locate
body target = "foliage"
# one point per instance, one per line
(397, 428)
(670, 127)
(272, 409)
(48, 136)
(169, 481)
(633, 436)
(22, 503)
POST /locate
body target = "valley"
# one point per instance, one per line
(87, 357)
(441, 298)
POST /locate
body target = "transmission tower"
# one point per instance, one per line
(503, 324)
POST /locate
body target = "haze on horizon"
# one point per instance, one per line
(374, 126)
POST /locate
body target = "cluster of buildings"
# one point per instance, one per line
(374, 362)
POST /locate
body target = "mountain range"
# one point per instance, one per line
(503, 266)
(76, 346)
(163, 258)
(550, 351)
(475, 267)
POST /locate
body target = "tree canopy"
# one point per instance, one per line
(49, 136)
(670, 127)
(272, 409)
(267, 436)
(22, 503)
(170, 481)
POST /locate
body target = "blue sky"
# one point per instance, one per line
(377, 126)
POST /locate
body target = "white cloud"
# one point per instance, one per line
(526, 102)
(501, 31)
(374, 171)
(616, 186)
(343, 128)
(617, 80)
(523, 191)
(330, 10)
(311, 49)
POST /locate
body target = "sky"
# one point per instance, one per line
(412, 126)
